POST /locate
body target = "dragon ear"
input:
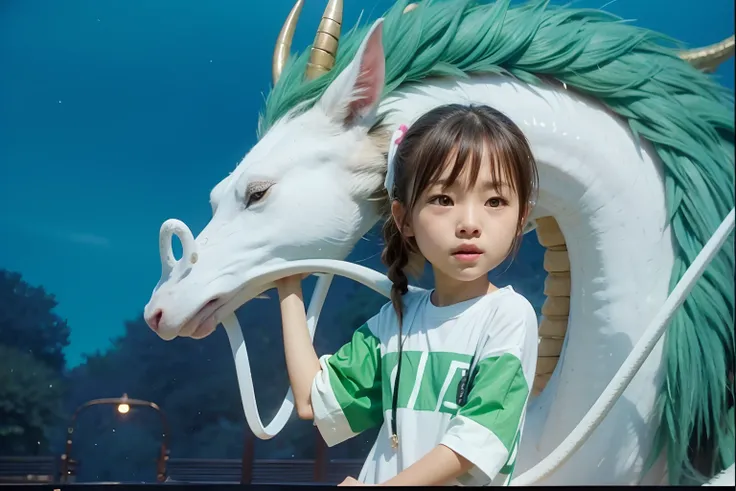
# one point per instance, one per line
(356, 92)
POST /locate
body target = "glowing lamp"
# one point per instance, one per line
(123, 407)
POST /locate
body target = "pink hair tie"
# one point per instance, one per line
(396, 139)
(400, 138)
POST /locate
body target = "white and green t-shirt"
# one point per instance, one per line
(352, 392)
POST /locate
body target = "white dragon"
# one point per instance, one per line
(636, 158)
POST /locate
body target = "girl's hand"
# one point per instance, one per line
(351, 481)
(290, 283)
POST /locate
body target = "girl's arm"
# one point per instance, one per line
(340, 392)
(302, 363)
(434, 469)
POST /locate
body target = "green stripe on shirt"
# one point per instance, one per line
(440, 370)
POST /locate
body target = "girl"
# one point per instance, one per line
(445, 372)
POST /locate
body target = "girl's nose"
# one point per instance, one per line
(468, 226)
(468, 231)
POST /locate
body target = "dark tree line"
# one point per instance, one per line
(32, 379)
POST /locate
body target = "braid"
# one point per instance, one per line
(395, 256)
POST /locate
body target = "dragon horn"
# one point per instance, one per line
(283, 43)
(324, 48)
(709, 57)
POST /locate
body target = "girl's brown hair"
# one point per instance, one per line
(421, 157)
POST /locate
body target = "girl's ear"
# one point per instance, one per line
(526, 225)
(398, 212)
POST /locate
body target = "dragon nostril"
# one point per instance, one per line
(155, 320)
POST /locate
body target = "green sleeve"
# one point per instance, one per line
(355, 379)
(485, 430)
(498, 396)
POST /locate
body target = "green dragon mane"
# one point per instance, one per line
(686, 115)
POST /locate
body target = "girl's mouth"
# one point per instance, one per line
(467, 253)
(467, 257)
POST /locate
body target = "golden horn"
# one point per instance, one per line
(324, 48)
(283, 43)
(709, 57)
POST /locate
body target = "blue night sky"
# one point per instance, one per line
(116, 115)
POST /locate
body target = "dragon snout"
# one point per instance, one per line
(168, 322)
(192, 292)
(155, 315)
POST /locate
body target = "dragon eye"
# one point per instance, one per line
(256, 191)
(255, 197)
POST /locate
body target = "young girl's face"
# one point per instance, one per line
(467, 229)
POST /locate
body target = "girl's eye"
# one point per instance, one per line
(442, 200)
(496, 202)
